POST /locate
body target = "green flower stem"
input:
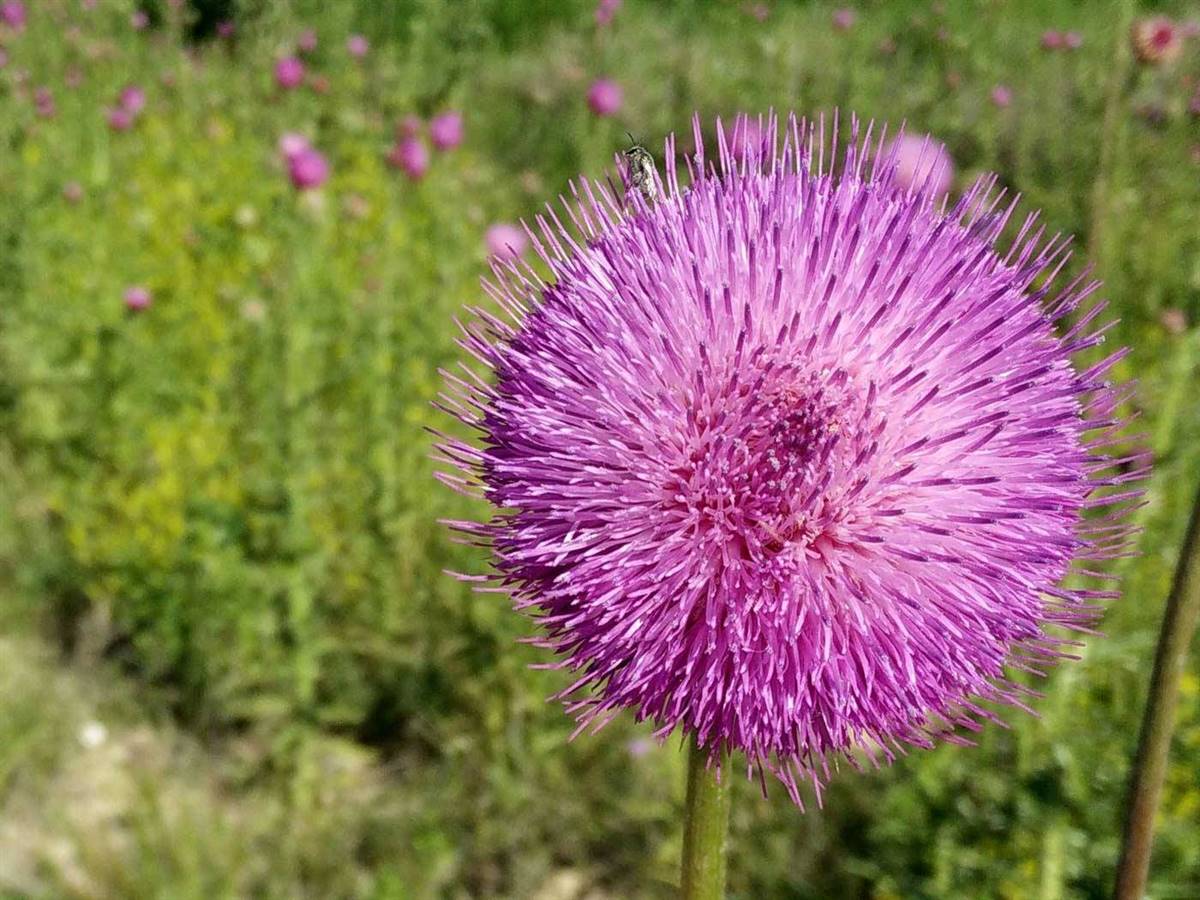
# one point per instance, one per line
(1158, 724)
(705, 828)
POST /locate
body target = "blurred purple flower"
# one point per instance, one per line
(1156, 40)
(922, 165)
(226, 28)
(799, 484)
(1002, 96)
(605, 10)
(505, 241)
(73, 77)
(120, 119)
(13, 14)
(1052, 40)
(139, 20)
(43, 101)
(446, 130)
(307, 168)
(1072, 40)
(132, 99)
(844, 18)
(307, 42)
(357, 46)
(72, 191)
(292, 143)
(604, 97)
(410, 156)
(289, 72)
(3, 57)
(137, 298)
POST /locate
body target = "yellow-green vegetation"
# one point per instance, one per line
(218, 521)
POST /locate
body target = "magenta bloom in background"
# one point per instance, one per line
(843, 19)
(289, 72)
(1052, 40)
(226, 29)
(133, 99)
(922, 165)
(307, 42)
(604, 97)
(292, 143)
(1156, 40)
(788, 460)
(446, 130)
(506, 241)
(139, 20)
(411, 157)
(120, 119)
(307, 168)
(1002, 96)
(1072, 40)
(43, 101)
(605, 10)
(13, 14)
(357, 46)
(137, 298)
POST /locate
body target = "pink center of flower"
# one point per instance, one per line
(756, 479)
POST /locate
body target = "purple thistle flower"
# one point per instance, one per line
(506, 241)
(844, 18)
(289, 72)
(1002, 96)
(14, 15)
(226, 29)
(307, 168)
(357, 46)
(922, 164)
(119, 118)
(787, 459)
(446, 130)
(1052, 40)
(137, 298)
(410, 156)
(139, 20)
(604, 97)
(605, 11)
(132, 99)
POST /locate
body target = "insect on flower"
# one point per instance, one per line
(640, 170)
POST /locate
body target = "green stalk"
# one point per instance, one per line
(705, 828)
(1154, 744)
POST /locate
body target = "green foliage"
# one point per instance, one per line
(229, 495)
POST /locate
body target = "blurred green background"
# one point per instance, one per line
(230, 664)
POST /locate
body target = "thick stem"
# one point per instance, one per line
(705, 826)
(1154, 744)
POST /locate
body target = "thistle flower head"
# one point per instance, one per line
(1156, 40)
(604, 97)
(788, 459)
(289, 72)
(410, 156)
(446, 130)
(307, 169)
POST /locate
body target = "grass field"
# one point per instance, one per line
(230, 662)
